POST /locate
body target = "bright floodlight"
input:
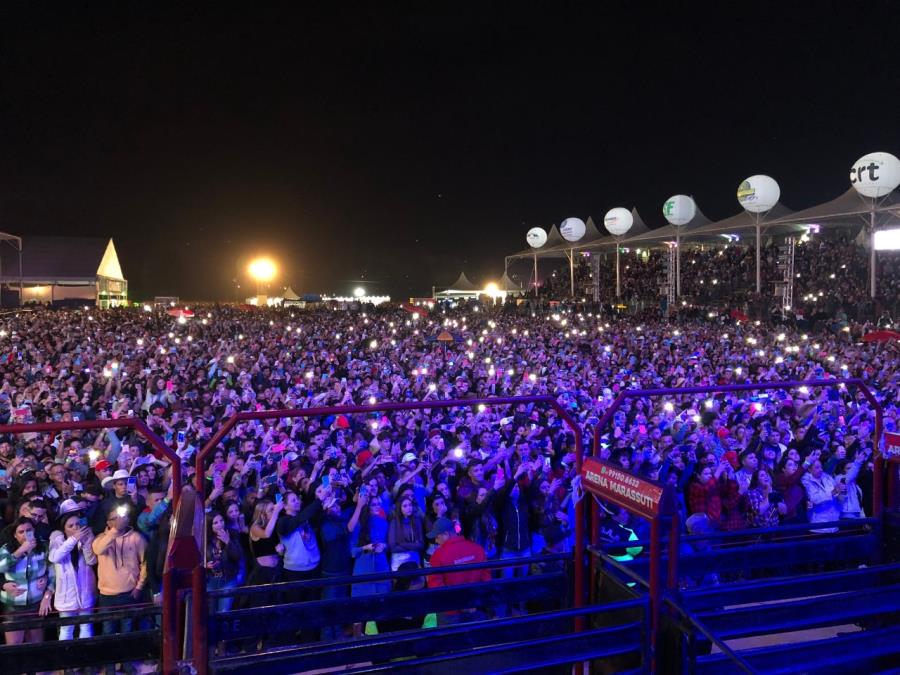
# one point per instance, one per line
(887, 240)
(492, 290)
(262, 269)
(358, 292)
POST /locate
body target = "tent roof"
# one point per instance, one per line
(507, 284)
(289, 294)
(62, 259)
(109, 266)
(462, 283)
(742, 221)
(555, 247)
(668, 232)
(591, 232)
(554, 238)
(639, 225)
(846, 208)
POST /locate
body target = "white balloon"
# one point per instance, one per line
(536, 237)
(876, 174)
(572, 229)
(679, 209)
(618, 221)
(758, 194)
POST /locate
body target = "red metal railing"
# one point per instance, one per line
(655, 526)
(160, 450)
(199, 604)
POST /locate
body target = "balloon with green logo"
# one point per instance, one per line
(679, 210)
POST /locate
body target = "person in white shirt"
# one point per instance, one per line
(824, 494)
(73, 560)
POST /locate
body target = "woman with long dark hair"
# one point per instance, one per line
(406, 534)
(368, 546)
(223, 558)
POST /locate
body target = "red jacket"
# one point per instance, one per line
(458, 551)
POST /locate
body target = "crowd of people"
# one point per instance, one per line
(829, 273)
(86, 512)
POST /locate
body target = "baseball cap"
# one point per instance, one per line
(441, 526)
(408, 457)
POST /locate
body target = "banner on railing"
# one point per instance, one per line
(614, 485)
(891, 444)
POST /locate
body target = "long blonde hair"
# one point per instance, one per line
(259, 513)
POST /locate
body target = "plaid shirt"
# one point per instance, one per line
(26, 573)
(734, 505)
(720, 500)
(704, 498)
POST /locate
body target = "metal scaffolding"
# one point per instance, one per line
(785, 286)
(671, 267)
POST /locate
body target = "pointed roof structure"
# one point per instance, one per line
(591, 232)
(462, 283)
(848, 208)
(289, 294)
(109, 266)
(49, 260)
(639, 226)
(744, 221)
(554, 247)
(508, 285)
(554, 238)
(667, 232)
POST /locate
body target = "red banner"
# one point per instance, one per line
(614, 485)
(891, 444)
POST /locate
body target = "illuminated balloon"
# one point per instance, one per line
(572, 229)
(679, 209)
(618, 221)
(758, 194)
(876, 174)
(536, 237)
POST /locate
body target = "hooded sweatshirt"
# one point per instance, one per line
(121, 567)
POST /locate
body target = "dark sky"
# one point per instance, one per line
(402, 145)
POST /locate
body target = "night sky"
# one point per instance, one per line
(399, 146)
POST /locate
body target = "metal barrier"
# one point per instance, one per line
(160, 450)
(536, 641)
(199, 593)
(140, 644)
(284, 586)
(635, 494)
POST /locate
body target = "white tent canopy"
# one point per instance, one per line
(507, 285)
(461, 285)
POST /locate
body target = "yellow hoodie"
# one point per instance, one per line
(121, 566)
